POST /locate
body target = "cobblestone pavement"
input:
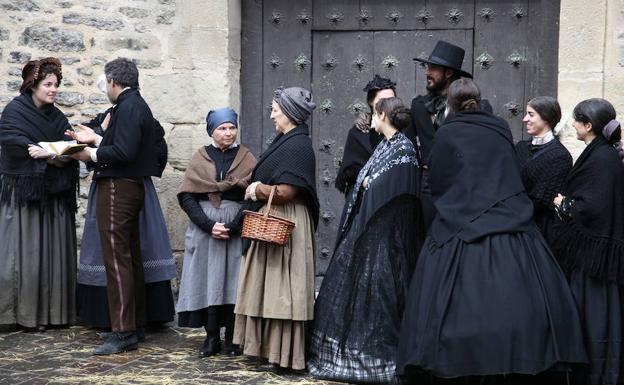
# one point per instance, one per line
(63, 356)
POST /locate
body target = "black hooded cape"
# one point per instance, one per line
(25, 179)
(472, 174)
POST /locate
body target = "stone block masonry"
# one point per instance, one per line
(187, 52)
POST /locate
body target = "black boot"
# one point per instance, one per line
(212, 345)
(229, 348)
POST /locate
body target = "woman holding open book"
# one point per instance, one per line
(37, 206)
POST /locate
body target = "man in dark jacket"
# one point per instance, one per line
(122, 158)
(429, 111)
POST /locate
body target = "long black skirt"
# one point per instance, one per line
(600, 304)
(498, 306)
(358, 311)
(93, 304)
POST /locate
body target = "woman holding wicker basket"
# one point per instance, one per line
(275, 298)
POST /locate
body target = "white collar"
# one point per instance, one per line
(537, 140)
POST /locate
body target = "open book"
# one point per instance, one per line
(62, 147)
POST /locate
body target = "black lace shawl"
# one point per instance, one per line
(392, 172)
(593, 240)
(25, 179)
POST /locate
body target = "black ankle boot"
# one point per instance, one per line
(212, 345)
(231, 349)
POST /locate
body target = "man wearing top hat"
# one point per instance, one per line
(444, 66)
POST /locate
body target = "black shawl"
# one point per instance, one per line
(357, 150)
(474, 168)
(25, 179)
(593, 240)
(290, 160)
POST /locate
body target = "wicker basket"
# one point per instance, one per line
(266, 227)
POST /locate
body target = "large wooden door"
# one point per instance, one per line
(334, 47)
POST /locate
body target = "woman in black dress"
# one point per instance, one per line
(544, 160)
(487, 297)
(360, 304)
(588, 237)
(37, 206)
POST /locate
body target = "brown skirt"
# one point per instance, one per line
(282, 342)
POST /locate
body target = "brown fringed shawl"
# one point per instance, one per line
(201, 175)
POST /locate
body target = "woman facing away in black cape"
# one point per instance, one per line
(360, 304)
(588, 238)
(544, 161)
(487, 302)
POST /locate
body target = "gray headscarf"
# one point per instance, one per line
(296, 103)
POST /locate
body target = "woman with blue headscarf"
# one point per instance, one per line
(211, 194)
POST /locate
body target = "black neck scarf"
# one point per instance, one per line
(436, 105)
(25, 179)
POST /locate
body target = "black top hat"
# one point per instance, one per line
(447, 55)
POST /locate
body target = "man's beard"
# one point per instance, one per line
(437, 87)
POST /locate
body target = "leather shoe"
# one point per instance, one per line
(212, 346)
(118, 342)
(269, 367)
(140, 333)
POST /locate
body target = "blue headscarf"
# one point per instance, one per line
(217, 117)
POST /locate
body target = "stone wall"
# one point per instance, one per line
(591, 58)
(187, 52)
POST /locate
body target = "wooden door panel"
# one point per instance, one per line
(395, 15)
(449, 14)
(343, 64)
(287, 54)
(336, 15)
(252, 111)
(501, 60)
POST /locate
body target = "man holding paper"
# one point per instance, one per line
(121, 161)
